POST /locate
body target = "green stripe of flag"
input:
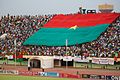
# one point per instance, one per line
(58, 36)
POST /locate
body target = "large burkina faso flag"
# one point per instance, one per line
(76, 28)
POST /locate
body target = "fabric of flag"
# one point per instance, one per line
(58, 36)
(115, 58)
(81, 20)
(116, 54)
(77, 28)
(19, 57)
(20, 60)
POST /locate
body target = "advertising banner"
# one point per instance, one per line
(95, 60)
(64, 75)
(67, 58)
(111, 62)
(78, 59)
(57, 57)
(28, 73)
(8, 72)
(103, 61)
(50, 74)
(42, 73)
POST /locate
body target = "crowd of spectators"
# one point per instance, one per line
(21, 27)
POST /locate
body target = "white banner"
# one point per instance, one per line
(67, 58)
(103, 61)
(57, 57)
(111, 62)
(78, 59)
(95, 60)
(9, 56)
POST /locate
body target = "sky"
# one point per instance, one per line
(41, 7)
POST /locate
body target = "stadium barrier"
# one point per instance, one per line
(9, 72)
(28, 73)
(55, 74)
(64, 75)
(103, 77)
(50, 74)
(61, 75)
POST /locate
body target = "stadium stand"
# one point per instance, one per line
(22, 27)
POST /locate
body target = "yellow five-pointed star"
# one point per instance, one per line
(74, 27)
